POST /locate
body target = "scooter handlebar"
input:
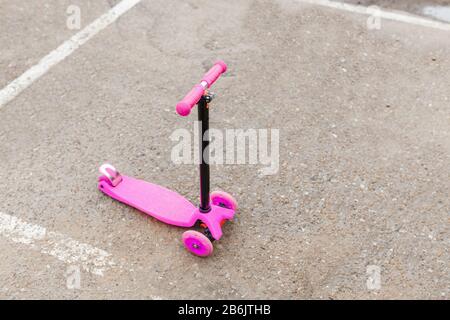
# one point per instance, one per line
(214, 73)
(185, 106)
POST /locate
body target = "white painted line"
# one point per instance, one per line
(395, 16)
(55, 244)
(63, 51)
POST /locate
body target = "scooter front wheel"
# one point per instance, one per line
(223, 199)
(197, 243)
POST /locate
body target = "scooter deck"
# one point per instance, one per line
(161, 203)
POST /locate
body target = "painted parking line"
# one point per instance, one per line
(388, 15)
(14, 88)
(55, 244)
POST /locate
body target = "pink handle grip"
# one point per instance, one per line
(214, 73)
(185, 106)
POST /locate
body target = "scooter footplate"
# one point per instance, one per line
(161, 203)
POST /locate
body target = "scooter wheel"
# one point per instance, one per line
(197, 243)
(110, 175)
(223, 199)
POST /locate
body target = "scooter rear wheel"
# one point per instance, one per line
(197, 243)
(110, 174)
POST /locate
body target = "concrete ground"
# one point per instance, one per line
(415, 6)
(364, 180)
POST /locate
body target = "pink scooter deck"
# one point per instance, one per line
(164, 204)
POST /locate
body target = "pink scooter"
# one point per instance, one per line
(169, 206)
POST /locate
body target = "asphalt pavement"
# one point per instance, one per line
(363, 181)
